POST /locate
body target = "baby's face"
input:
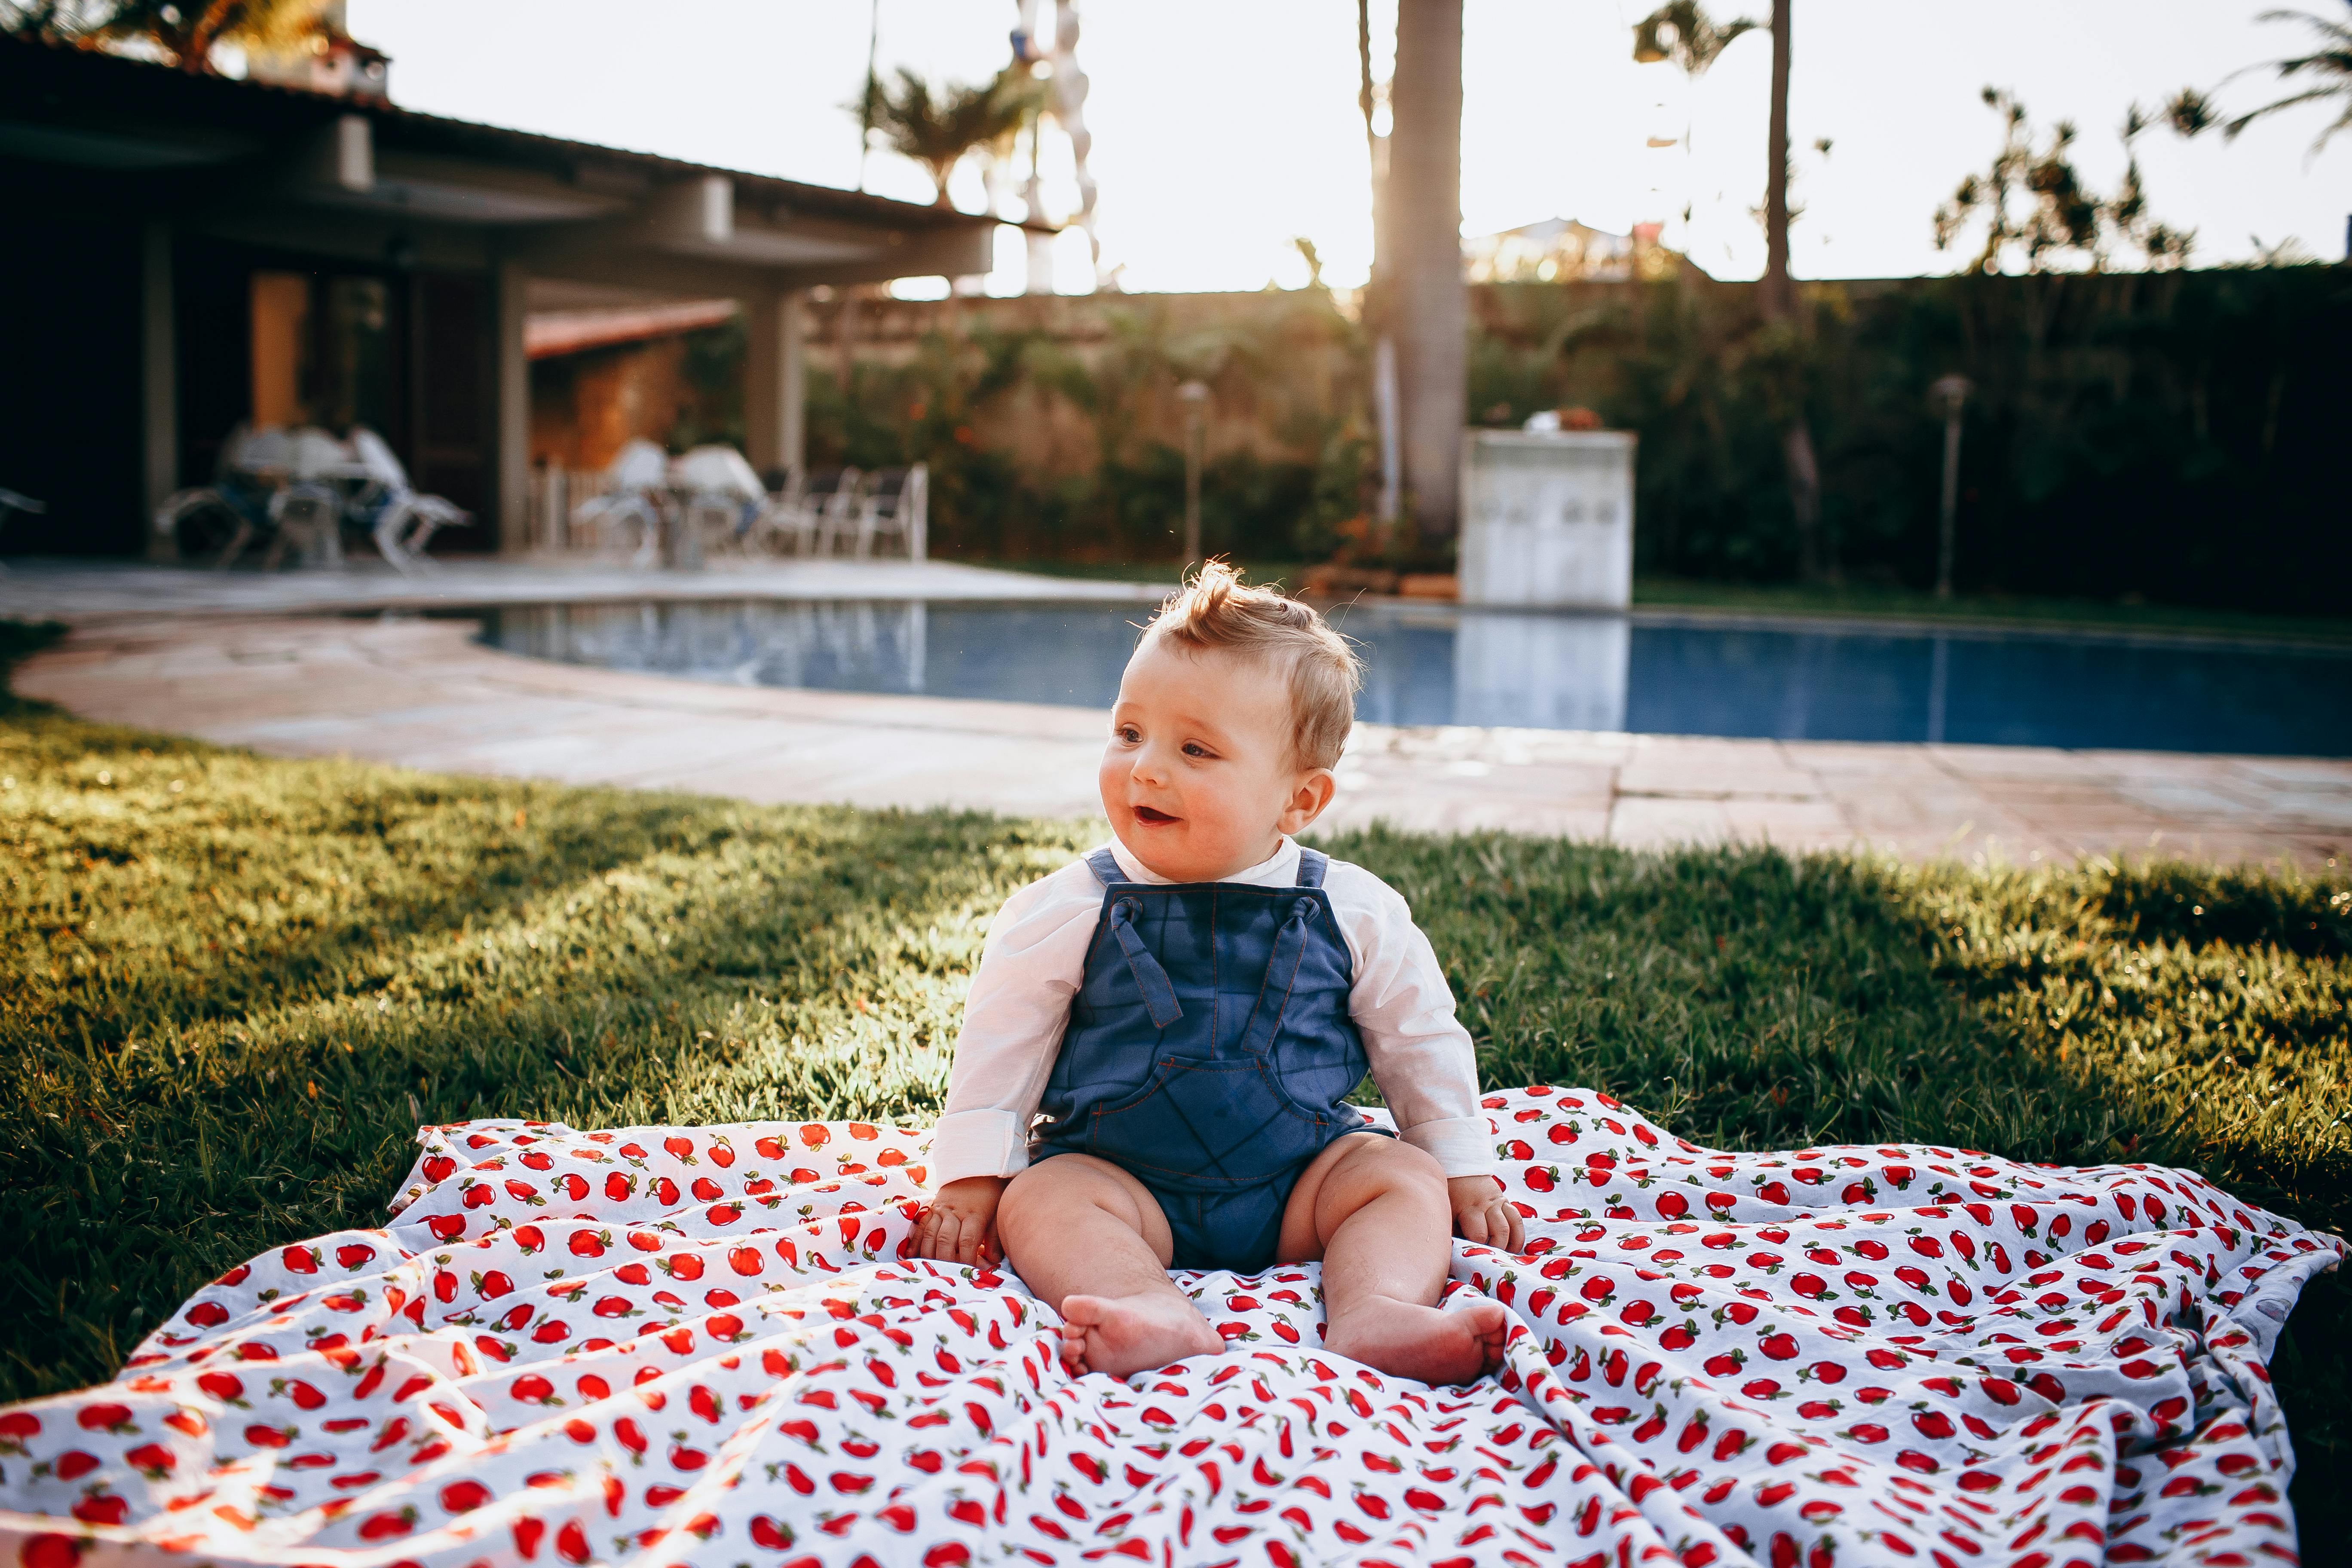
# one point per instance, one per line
(1199, 781)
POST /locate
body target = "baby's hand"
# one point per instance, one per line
(959, 1226)
(1482, 1214)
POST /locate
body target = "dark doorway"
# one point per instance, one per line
(277, 339)
(69, 418)
(452, 399)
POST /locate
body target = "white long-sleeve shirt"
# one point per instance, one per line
(1035, 959)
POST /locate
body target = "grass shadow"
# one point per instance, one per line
(229, 1004)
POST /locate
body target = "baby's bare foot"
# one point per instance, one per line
(1424, 1343)
(1126, 1334)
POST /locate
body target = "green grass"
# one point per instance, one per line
(230, 988)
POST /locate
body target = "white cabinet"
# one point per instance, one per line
(1547, 518)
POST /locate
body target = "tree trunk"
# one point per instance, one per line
(1777, 296)
(1375, 313)
(1429, 303)
(1778, 299)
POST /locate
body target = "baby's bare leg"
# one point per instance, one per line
(1085, 1234)
(1375, 1210)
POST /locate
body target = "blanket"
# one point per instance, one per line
(703, 1347)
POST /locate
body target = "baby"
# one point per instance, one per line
(1190, 1005)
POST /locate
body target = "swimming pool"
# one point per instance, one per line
(1652, 672)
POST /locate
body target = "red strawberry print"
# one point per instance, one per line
(1776, 1386)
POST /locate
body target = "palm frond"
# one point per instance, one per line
(2330, 65)
(938, 127)
(1682, 31)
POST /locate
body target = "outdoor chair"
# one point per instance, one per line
(637, 486)
(896, 506)
(781, 515)
(217, 521)
(306, 510)
(833, 497)
(812, 512)
(399, 517)
(723, 495)
(809, 511)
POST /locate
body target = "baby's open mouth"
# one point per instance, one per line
(1153, 816)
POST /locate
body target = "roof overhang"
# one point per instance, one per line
(78, 127)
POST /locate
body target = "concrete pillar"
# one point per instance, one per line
(775, 380)
(159, 386)
(510, 432)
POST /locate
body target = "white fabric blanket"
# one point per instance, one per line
(701, 1346)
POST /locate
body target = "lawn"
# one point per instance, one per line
(230, 988)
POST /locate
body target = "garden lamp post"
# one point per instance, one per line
(1951, 391)
(1194, 395)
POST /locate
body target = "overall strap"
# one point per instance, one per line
(1158, 991)
(1312, 864)
(1159, 994)
(1281, 974)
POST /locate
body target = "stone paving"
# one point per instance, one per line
(236, 661)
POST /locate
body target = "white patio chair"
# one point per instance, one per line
(636, 485)
(781, 517)
(896, 506)
(812, 512)
(222, 518)
(400, 519)
(834, 496)
(723, 494)
(307, 506)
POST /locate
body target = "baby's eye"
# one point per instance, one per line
(1128, 734)
(1194, 749)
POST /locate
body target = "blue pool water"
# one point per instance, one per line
(1438, 665)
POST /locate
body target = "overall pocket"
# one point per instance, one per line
(1208, 1123)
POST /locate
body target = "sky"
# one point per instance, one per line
(1225, 128)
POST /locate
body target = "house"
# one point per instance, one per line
(1562, 250)
(184, 252)
(602, 378)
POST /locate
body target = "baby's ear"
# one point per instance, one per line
(1310, 796)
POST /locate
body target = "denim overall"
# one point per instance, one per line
(1209, 1050)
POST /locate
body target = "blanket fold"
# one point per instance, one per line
(702, 1347)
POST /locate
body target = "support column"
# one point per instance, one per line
(510, 430)
(159, 387)
(775, 380)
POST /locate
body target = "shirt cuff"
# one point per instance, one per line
(978, 1143)
(1462, 1146)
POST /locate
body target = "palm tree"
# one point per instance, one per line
(940, 128)
(2328, 67)
(1431, 303)
(1682, 32)
(1375, 314)
(1778, 297)
(185, 32)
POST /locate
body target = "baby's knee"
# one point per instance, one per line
(1410, 1165)
(1040, 1194)
(1377, 1165)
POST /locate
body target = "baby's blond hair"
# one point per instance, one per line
(1214, 610)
